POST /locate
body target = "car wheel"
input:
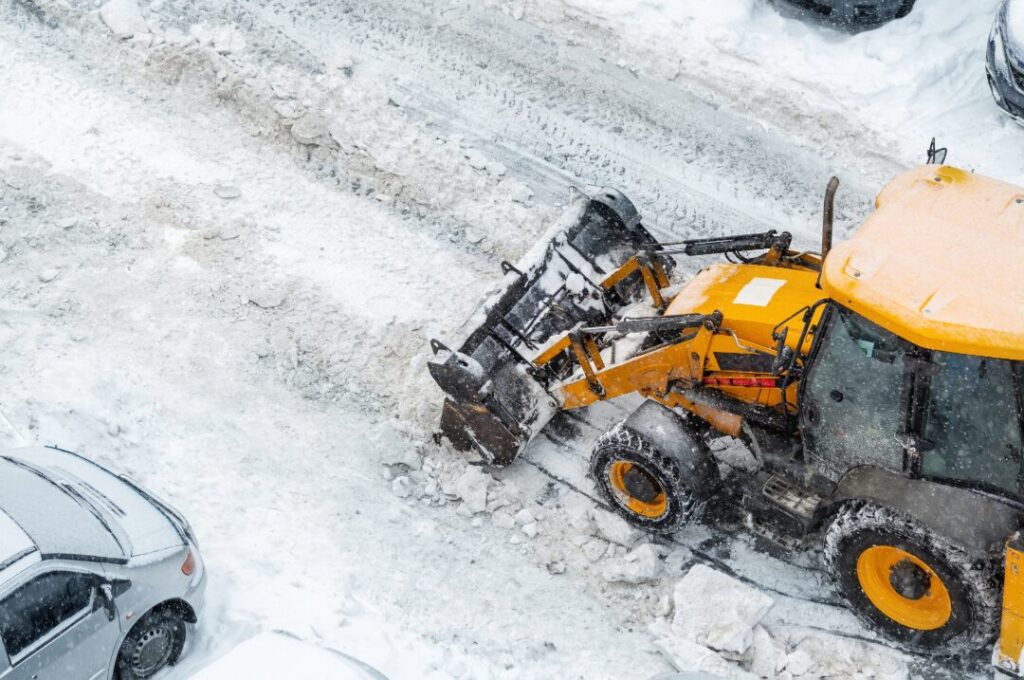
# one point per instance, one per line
(640, 483)
(910, 584)
(155, 642)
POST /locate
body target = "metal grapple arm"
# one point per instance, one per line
(648, 372)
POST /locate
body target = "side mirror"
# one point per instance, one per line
(105, 599)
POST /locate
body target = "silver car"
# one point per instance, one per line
(98, 579)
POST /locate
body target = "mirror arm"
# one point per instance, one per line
(105, 597)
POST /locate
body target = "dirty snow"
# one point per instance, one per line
(229, 232)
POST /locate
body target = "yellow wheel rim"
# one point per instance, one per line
(652, 509)
(875, 572)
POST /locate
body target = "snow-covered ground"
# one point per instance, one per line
(876, 96)
(228, 231)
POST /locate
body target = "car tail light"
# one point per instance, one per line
(189, 565)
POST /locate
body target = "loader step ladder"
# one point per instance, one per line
(779, 510)
(793, 499)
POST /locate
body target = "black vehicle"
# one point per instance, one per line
(1005, 58)
(857, 13)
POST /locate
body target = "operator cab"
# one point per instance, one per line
(871, 398)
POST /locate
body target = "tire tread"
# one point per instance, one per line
(978, 576)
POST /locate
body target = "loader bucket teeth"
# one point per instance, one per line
(496, 398)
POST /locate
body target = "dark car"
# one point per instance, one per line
(858, 13)
(1005, 58)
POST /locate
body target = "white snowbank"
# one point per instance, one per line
(272, 656)
(885, 91)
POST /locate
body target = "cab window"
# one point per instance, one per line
(972, 423)
(40, 606)
(851, 403)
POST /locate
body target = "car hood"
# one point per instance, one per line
(100, 514)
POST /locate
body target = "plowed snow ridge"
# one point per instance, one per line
(220, 273)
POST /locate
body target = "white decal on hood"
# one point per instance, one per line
(759, 292)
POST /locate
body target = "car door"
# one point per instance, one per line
(851, 398)
(54, 627)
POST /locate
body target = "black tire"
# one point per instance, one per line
(971, 586)
(138, 658)
(622, 445)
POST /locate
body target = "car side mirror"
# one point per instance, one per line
(105, 599)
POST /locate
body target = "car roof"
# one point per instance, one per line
(50, 516)
(940, 262)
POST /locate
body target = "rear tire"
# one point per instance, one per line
(155, 642)
(641, 484)
(910, 584)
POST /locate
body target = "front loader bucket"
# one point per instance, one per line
(497, 400)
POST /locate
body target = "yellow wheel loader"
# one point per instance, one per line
(878, 385)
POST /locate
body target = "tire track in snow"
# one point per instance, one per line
(501, 81)
(128, 357)
(323, 233)
(373, 312)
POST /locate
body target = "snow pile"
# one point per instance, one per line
(640, 565)
(613, 528)
(222, 262)
(272, 656)
(818, 656)
(885, 91)
(717, 626)
(147, 351)
(123, 18)
(224, 39)
(471, 487)
(717, 611)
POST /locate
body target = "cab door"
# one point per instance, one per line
(54, 626)
(851, 401)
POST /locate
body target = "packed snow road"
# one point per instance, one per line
(229, 232)
(134, 335)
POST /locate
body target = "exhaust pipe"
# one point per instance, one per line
(826, 217)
